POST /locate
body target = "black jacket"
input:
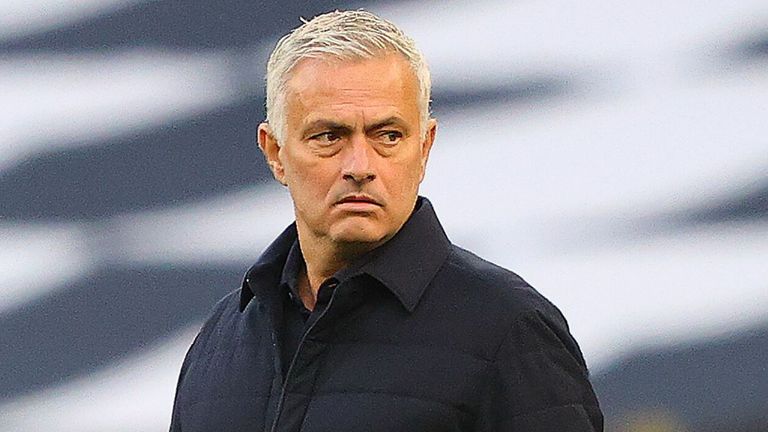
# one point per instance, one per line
(418, 335)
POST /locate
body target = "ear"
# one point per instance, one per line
(426, 145)
(271, 150)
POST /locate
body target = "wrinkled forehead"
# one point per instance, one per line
(390, 70)
(338, 60)
(351, 91)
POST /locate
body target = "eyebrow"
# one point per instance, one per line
(324, 124)
(389, 121)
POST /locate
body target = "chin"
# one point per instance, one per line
(359, 234)
(357, 238)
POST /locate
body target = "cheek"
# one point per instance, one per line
(402, 185)
(310, 181)
(408, 174)
(297, 166)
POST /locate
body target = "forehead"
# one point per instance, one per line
(324, 83)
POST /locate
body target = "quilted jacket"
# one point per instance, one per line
(418, 335)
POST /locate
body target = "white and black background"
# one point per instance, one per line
(614, 153)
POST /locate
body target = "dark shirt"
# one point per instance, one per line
(296, 317)
(295, 314)
(418, 334)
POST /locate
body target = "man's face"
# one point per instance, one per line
(352, 155)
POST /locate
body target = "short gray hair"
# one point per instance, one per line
(343, 35)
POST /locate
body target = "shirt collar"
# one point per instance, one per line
(405, 264)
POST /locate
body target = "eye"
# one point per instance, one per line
(326, 138)
(390, 137)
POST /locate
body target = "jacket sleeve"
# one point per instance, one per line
(538, 380)
(176, 415)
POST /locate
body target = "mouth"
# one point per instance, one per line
(358, 200)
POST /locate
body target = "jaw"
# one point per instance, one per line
(343, 239)
(357, 231)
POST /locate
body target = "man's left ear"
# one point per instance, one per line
(426, 144)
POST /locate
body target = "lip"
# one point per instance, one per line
(358, 201)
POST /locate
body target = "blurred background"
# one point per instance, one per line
(614, 153)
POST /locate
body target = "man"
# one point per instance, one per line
(362, 316)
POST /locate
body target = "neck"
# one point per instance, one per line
(322, 260)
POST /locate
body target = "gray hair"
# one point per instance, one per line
(342, 35)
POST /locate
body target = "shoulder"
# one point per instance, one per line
(222, 317)
(497, 290)
(489, 304)
(224, 309)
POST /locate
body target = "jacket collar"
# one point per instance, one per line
(405, 265)
(265, 273)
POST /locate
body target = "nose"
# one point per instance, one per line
(357, 165)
